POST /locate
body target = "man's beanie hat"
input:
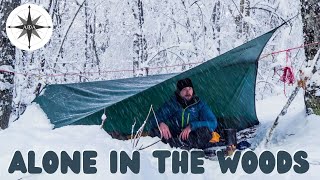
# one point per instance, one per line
(184, 83)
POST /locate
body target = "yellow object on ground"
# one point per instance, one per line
(215, 137)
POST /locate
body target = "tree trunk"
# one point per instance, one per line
(310, 12)
(92, 59)
(242, 26)
(7, 56)
(139, 42)
(216, 16)
(88, 35)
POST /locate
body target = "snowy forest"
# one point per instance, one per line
(95, 40)
(102, 40)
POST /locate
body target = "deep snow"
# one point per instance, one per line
(33, 131)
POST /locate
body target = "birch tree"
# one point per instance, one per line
(139, 40)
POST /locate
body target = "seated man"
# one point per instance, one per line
(185, 121)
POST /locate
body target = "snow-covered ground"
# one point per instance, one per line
(33, 131)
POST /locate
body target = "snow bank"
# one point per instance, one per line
(33, 131)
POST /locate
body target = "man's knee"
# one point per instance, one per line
(203, 132)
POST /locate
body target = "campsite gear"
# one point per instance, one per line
(145, 147)
(215, 137)
(210, 153)
(244, 135)
(227, 82)
(230, 149)
(288, 76)
(243, 145)
(230, 136)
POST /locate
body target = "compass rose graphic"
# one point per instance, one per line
(29, 27)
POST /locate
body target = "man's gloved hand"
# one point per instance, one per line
(164, 130)
(184, 135)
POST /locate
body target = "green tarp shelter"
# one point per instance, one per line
(226, 83)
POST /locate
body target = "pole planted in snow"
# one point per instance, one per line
(308, 74)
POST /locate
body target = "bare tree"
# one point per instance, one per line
(216, 26)
(139, 41)
(242, 26)
(87, 66)
(7, 57)
(310, 11)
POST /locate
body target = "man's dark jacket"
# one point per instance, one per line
(178, 113)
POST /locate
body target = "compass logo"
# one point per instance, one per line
(29, 27)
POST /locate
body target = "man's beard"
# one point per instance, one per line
(188, 97)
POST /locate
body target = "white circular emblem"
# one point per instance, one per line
(29, 27)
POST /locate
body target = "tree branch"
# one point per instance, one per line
(65, 36)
